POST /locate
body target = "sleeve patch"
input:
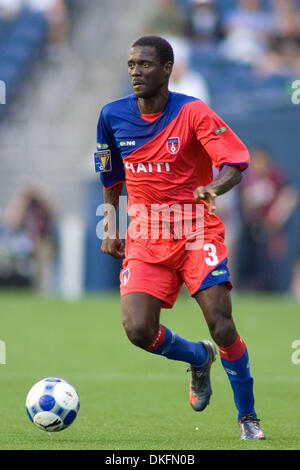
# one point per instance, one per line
(102, 146)
(102, 161)
(220, 130)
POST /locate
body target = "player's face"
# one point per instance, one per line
(146, 73)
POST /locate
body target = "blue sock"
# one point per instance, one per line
(168, 344)
(235, 361)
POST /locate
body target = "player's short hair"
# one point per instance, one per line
(163, 48)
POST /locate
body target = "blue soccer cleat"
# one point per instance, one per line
(250, 428)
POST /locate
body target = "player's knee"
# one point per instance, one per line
(222, 328)
(139, 334)
(224, 333)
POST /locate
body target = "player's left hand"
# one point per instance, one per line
(204, 193)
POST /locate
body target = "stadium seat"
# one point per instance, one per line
(223, 7)
(4, 27)
(20, 44)
(17, 52)
(32, 28)
(184, 4)
(10, 74)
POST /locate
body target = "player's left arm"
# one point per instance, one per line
(228, 177)
(227, 152)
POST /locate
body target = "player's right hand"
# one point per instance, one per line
(113, 247)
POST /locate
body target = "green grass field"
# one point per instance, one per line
(131, 399)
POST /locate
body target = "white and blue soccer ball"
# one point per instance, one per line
(52, 404)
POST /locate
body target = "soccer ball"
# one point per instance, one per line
(52, 404)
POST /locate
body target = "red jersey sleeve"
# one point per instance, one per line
(220, 142)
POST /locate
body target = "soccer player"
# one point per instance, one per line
(163, 145)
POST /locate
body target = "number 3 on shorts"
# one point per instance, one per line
(212, 260)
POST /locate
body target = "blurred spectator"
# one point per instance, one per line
(30, 218)
(168, 20)
(286, 14)
(283, 59)
(184, 79)
(57, 15)
(9, 9)
(54, 10)
(204, 23)
(248, 31)
(267, 201)
(295, 284)
(227, 210)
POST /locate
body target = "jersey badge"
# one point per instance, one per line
(125, 274)
(173, 145)
(102, 161)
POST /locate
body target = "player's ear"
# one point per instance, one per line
(168, 68)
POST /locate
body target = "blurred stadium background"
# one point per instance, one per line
(62, 60)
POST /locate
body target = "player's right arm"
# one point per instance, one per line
(109, 164)
(112, 245)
